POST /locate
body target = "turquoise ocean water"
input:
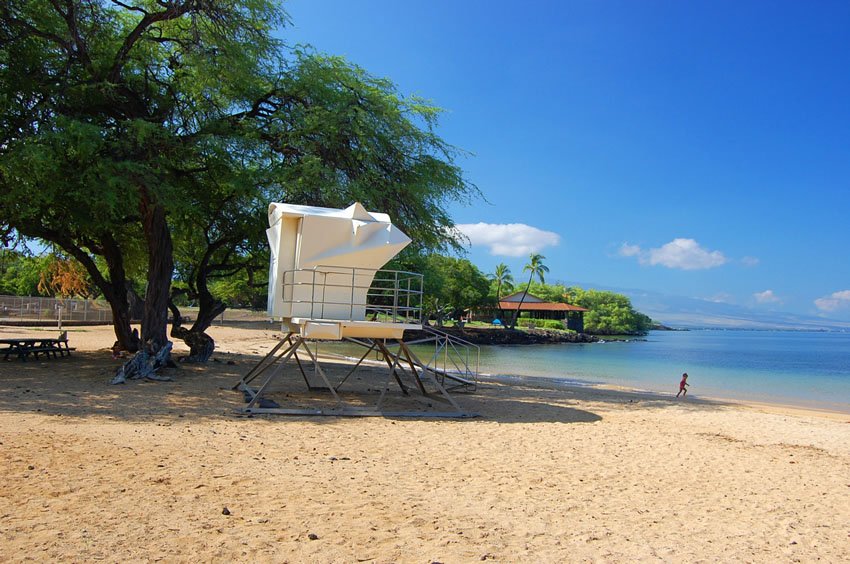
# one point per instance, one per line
(797, 368)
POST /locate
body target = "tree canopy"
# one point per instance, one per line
(157, 132)
(20, 274)
(453, 285)
(609, 313)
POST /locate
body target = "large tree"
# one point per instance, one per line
(127, 127)
(452, 285)
(103, 106)
(331, 135)
(609, 313)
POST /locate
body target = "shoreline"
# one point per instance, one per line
(547, 382)
(100, 337)
(560, 383)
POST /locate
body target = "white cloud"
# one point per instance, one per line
(722, 298)
(627, 250)
(684, 254)
(750, 261)
(766, 297)
(834, 301)
(509, 239)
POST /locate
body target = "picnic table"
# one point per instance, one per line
(23, 347)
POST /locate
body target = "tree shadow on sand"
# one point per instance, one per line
(78, 387)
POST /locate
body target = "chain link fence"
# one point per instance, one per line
(25, 308)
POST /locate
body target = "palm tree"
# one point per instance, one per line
(503, 277)
(535, 267)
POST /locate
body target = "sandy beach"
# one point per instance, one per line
(144, 472)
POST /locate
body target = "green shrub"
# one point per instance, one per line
(542, 324)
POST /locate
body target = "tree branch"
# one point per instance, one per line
(131, 8)
(32, 30)
(70, 17)
(172, 11)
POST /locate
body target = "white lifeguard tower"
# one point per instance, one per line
(326, 284)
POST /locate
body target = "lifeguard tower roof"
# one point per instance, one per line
(325, 280)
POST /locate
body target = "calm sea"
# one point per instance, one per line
(805, 369)
(795, 368)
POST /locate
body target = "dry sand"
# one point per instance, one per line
(143, 471)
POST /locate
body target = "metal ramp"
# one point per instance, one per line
(454, 359)
(330, 389)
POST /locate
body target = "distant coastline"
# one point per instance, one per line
(505, 336)
(662, 327)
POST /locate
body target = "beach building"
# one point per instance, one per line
(516, 304)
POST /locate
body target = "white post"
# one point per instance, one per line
(59, 307)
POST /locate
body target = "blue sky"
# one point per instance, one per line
(697, 148)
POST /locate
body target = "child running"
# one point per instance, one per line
(683, 385)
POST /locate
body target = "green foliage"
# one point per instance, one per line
(501, 281)
(236, 291)
(535, 269)
(542, 323)
(610, 313)
(20, 274)
(455, 283)
(111, 114)
(49, 274)
(344, 136)
(434, 308)
(550, 292)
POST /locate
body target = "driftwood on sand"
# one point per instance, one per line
(145, 364)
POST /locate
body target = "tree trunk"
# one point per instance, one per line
(499, 302)
(114, 289)
(126, 336)
(519, 308)
(201, 345)
(208, 306)
(119, 297)
(137, 304)
(160, 269)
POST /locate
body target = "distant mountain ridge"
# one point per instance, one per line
(693, 313)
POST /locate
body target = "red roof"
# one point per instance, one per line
(540, 306)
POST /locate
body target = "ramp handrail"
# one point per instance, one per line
(454, 358)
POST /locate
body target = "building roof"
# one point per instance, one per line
(517, 296)
(540, 306)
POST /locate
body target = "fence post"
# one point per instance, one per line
(395, 297)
